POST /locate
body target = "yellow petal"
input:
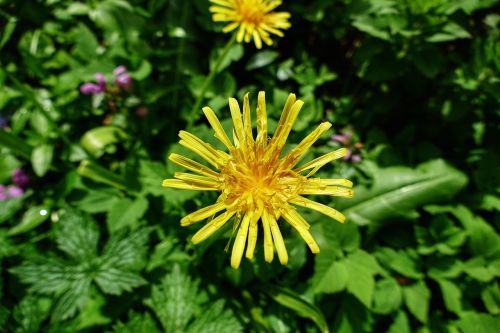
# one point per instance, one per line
(216, 125)
(202, 214)
(240, 241)
(192, 165)
(261, 120)
(252, 236)
(268, 241)
(323, 209)
(177, 183)
(322, 160)
(292, 217)
(197, 180)
(237, 120)
(211, 227)
(277, 238)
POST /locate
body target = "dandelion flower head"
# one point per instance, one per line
(253, 19)
(258, 186)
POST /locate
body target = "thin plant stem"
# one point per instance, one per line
(209, 79)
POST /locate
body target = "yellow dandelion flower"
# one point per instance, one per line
(257, 185)
(254, 18)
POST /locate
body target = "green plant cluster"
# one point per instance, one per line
(94, 243)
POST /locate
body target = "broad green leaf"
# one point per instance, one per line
(174, 300)
(261, 59)
(234, 53)
(451, 31)
(452, 295)
(96, 140)
(417, 297)
(303, 308)
(330, 275)
(472, 322)
(31, 219)
(216, 319)
(126, 213)
(401, 324)
(98, 201)
(387, 297)
(8, 29)
(9, 207)
(491, 298)
(30, 313)
(399, 261)
(361, 269)
(397, 191)
(41, 158)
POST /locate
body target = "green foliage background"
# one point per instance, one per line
(418, 82)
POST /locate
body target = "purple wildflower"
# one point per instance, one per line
(3, 194)
(119, 70)
(92, 88)
(356, 158)
(20, 178)
(3, 122)
(341, 138)
(124, 81)
(14, 191)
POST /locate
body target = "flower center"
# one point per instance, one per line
(251, 11)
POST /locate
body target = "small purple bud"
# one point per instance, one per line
(3, 195)
(90, 89)
(348, 155)
(356, 158)
(3, 122)
(101, 81)
(340, 138)
(20, 178)
(124, 81)
(14, 192)
(119, 70)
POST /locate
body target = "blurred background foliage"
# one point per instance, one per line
(92, 243)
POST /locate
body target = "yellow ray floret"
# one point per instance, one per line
(257, 185)
(254, 19)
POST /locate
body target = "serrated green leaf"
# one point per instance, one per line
(125, 250)
(398, 191)
(30, 313)
(137, 323)
(78, 235)
(216, 319)
(417, 297)
(41, 158)
(115, 281)
(72, 299)
(173, 300)
(126, 213)
(330, 275)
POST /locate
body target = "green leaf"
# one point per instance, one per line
(330, 276)
(233, 54)
(216, 319)
(417, 297)
(41, 158)
(173, 300)
(9, 207)
(261, 59)
(96, 140)
(30, 313)
(451, 31)
(31, 219)
(471, 322)
(115, 281)
(137, 323)
(401, 324)
(126, 213)
(73, 299)
(8, 29)
(361, 269)
(397, 191)
(303, 308)
(491, 298)
(125, 251)
(452, 295)
(387, 297)
(399, 261)
(78, 235)
(98, 201)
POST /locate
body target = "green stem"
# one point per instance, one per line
(102, 175)
(209, 79)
